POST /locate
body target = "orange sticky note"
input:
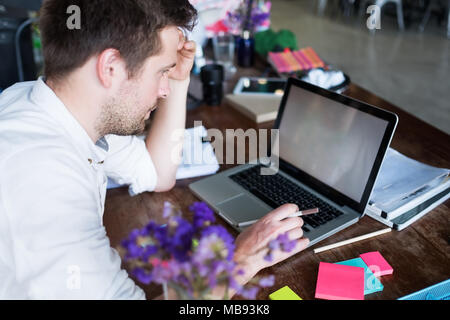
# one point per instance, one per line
(340, 282)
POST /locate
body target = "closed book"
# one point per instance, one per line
(415, 213)
(440, 190)
(259, 108)
(420, 210)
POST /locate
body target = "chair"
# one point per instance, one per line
(381, 3)
(434, 4)
(18, 35)
(448, 21)
(346, 6)
(321, 5)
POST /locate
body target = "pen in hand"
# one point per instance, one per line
(297, 214)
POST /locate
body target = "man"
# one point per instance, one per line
(62, 135)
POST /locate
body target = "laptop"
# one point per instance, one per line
(326, 154)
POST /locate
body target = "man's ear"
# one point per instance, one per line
(110, 67)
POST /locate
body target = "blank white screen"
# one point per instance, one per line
(330, 141)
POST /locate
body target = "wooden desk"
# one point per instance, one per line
(419, 254)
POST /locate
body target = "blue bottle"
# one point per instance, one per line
(246, 50)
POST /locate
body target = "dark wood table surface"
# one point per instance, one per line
(419, 254)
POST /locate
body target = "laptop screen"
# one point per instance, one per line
(330, 141)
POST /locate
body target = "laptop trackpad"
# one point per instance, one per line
(242, 208)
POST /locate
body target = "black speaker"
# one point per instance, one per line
(10, 20)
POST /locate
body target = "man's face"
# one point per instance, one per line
(137, 97)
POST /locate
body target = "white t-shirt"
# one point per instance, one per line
(53, 244)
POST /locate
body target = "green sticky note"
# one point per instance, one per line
(284, 293)
(371, 283)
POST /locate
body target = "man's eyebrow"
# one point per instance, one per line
(168, 67)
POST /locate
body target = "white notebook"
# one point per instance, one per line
(198, 160)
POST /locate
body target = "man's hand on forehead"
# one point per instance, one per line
(185, 60)
(183, 38)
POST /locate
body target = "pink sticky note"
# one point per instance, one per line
(376, 263)
(340, 282)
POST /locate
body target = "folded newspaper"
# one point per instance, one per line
(406, 190)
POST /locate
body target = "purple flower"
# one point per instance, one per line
(286, 244)
(204, 250)
(164, 271)
(167, 210)
(282, 243)
(274, 244)
(195, 257)
(268, 257)
(180, 243)
(183, 281)
(161, 236)
(131, 238)
(251, 15)
(234, 284)
(150, 227)
(142, 275)
(227, 239)
(203, 215)
(267, 281)
(249, 293)
(133, 248)
(149, 251)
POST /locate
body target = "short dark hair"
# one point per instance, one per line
(130, 26)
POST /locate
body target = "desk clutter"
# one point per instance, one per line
(352, 279)
(346, 280)
(306, 65)
(297, 60)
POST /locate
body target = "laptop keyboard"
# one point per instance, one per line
(276, 190)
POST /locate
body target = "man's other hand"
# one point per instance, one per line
(185, 59)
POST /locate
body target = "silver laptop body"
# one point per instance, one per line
(329, 145)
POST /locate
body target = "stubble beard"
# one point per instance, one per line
(117, 118)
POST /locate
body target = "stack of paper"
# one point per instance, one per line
(406, 190)
(199, 158)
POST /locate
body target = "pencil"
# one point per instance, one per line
(297, 214)
(343, 243)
